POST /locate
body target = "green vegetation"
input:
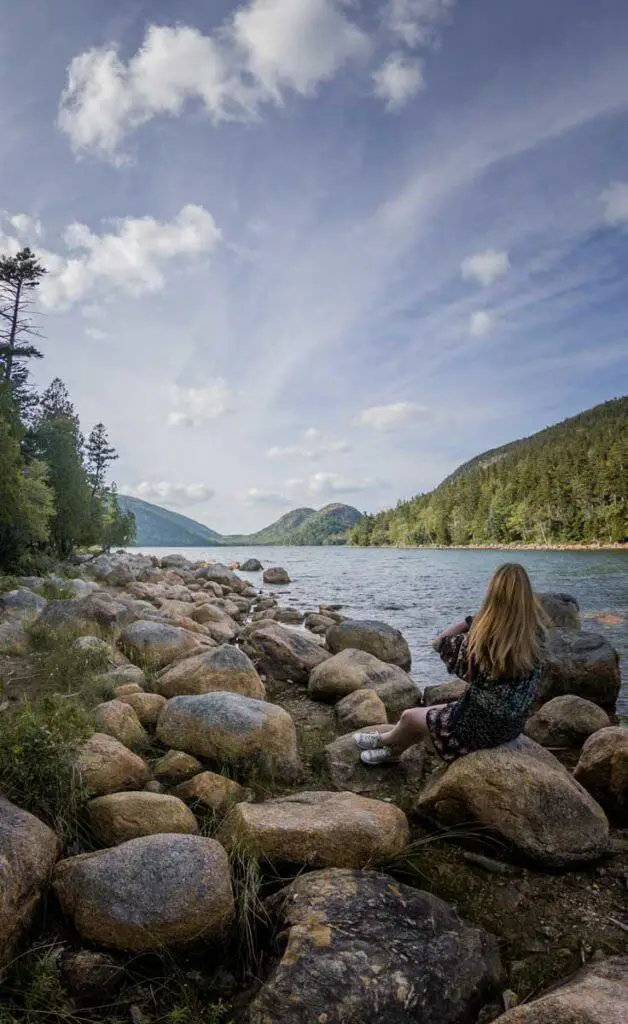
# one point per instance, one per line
(565, 485)
(158, 527)
(53, 491)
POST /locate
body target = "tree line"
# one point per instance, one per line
(54, 495)
(567, 484)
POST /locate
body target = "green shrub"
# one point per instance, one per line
(61, 666)
(52, 590)
(38, 746)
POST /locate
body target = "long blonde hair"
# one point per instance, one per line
(504, 635)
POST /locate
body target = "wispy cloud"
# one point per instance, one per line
(485, 267)
(192, 407)
(615, 199)
(179, 495)
(392, 417)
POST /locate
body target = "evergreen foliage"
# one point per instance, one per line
(19, 277)
(567, 484)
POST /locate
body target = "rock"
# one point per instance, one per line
(230, 729)
(444, 693)
(107, 766)
(584, 664)
(352, 670)
(151, 893)
(520, 793)
(289, 616)
(211, 792)
(360, 946)
(99, 650)
(276, 576)
(153, 787)
(175, 767)
(566, 722)
(317, 829)
(91, 977)
(63, 615)
(284, 653)
(597, 994)
(562, 610)
(264, 603)
(341, 761)
(120, 721)
(603, 771)
(21, 602)
(121, 676)
(126, 689)
(155, 643)
(318, 624)
(220, 626)
(147, 706)
(376, 638)
(251, 565)
(222, 575)
(224, 668)
(28, 851)
(116, 818)
(361, 708)
(175, 562)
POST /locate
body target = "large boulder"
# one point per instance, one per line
(223, 576)
(175, 767)
(119, 817)
(361, 708)
(562, 610)
(147, 706)
(120, 721)
(106, 766)
(360, 946)
(28, 851)
(603, 771)
(284, 653)
(148, 894)
(597, 994)
(581, 663)
(520, 794)
(209, 791)
(566, 722)
(341, 762)
(229, 729)
(444, 693)
(376, 638)
(221, 627)
(21, 602)
(352, 670)
(289, 616)
(317, 829)
(251, 565)
(156, 643)
(318, 624)
(63, 615)
(276, 576)
(224, 668)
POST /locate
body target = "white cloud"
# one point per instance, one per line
(398, 79)
(257, 496)
(315, 447)
(615, 199)
(416, 22)
(485, 267)
(480, 323)
(195, 406)
(390, 417)
(95, 333)
(333, 483)
(26, 227)
(129, 259)
(268, 46)
(180, 495)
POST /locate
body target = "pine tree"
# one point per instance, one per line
(20, 275)
(99, 456)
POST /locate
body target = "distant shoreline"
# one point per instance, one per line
(497, 547)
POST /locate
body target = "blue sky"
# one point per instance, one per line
(315, 250)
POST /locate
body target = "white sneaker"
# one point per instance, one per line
(367, 740)
(373, 757)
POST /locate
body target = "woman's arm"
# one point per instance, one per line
(460, 627)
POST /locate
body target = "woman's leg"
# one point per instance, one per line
(410, 729)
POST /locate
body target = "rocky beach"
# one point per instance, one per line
(187, 832)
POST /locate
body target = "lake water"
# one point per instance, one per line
(422, 592)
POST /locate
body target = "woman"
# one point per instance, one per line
(499, 654)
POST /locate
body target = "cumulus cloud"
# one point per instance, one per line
(391, 417)
(192, 407)
(257, 496)
(416, 22)
(398, 79)
(26, 227)
(130, 259)
(332, 483)
(315, 446)
(179, 495)
(480, 323)
(615, 199)
(267, 47)
(485, 267)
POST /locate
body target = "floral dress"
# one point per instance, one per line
(491, 712)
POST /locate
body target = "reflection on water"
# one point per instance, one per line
(422, 592)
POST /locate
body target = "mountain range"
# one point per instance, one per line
(159, 527)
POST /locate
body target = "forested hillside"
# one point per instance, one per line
(54, 494)
(566, 484)
(160, 527)
(330, 525)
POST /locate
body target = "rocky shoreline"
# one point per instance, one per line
(232, 843)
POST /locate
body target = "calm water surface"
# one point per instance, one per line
(422, 592)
